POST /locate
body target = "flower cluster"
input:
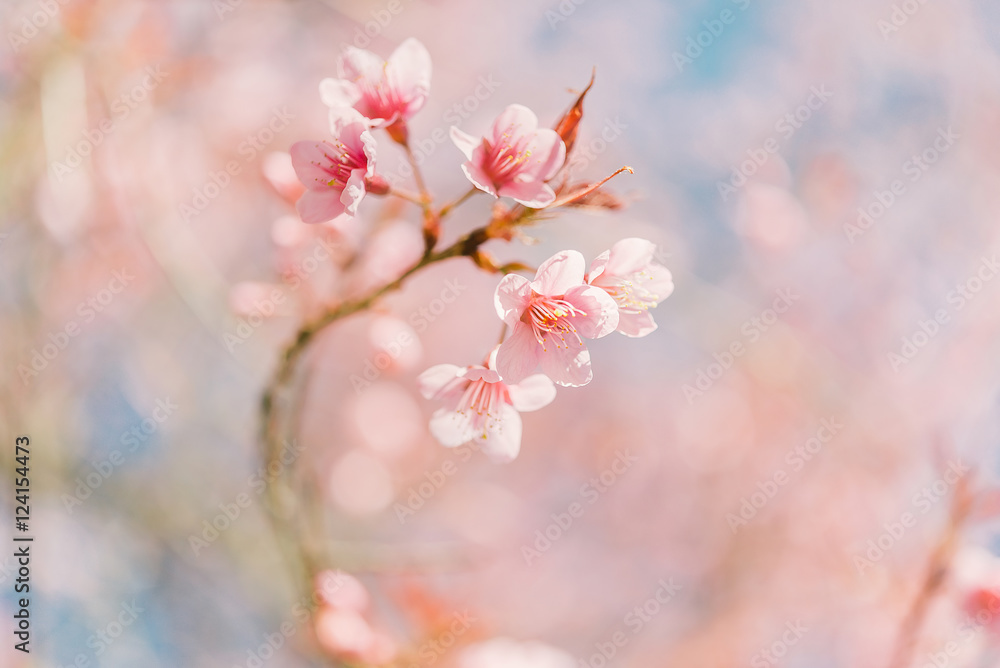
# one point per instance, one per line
(547, 319)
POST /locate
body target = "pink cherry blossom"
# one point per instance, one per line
(482, 407)
(549, 318)
(637, 283)
(335, 172)
(506, 653)
(385, 91)
(515, 159)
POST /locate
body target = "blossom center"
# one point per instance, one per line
(506, 158)
(340, 162)
(550, 319)
(482, 403)
(630, 293)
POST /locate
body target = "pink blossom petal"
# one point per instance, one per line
(533, 194)
(518, 355)
(516, 119)
(660, 283)
(481, 373)
(568, 366)
(600, 308)
(559, 273)
(636, 325)
(319, 206)
(630, 256)
(478, 177)
(342, 590)
(357, 64)
(451, 428)
(503, 436)
(548, 153)
(532, 393)
(408, 71)
(511, 298)
(433, 383)
(307, 156)
(466, 143)
(353, 192)
(598, 266)
(337, 93)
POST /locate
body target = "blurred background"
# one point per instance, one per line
(823, 180)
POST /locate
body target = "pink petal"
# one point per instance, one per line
(533, 194)
(481, 373)
(567, 366)
(465, 142)
(307, 156)
(353, 192)
(337, 93)
(451, 428)
(532, 393)
(511, 298)
(503, 436)
(518, 355)
(548, 153)
(636, 325)
(601, 309)
(347, 124)
(629, 256)
(516, 119)
(662, 282)
(598, 266)
(357, 64)
(319, 206)
(478, 177)
(408, 71)
(433, 382)
(559, 273)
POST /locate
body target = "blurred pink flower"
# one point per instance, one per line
(635, 280)
(340, 628)
(385, 91)
(515, 159)
(334, 173)
(549, 318)
(486, 409)
(506, 653)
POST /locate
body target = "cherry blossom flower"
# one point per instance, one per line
(335, 172)
(384, 91)
(482, 407)
(515, 159)
(637, 283)
(506, 653)
(549, 318)
(340, 626)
